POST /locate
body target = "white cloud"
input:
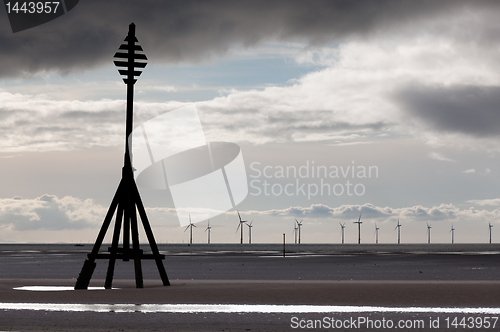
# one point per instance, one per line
(417, 213)
(439, 156)
(355, 89)
(165, 88)
(39, 123)
(353, 96)
(470, 171)
(485, 202)
(49, 212)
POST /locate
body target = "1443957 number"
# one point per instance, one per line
(32, 7)
(471, 322)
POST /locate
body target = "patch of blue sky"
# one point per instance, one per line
(204, 82)
(242, 69)
(103, 82)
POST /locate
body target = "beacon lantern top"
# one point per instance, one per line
(130, 58)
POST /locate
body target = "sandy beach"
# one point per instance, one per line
(406, 294)
(394, 279)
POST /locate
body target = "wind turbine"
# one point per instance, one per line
(208, 229)
(295, 231)
(429, 233)
(250, 232)
(359, 222)
(343, 227)
(299, 224)
(398, 226)
(452, 231)
(376, 233)
(240, 226)
(191, 225)
(490, 226)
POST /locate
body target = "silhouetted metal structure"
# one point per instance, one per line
(398, 226)
(240, 225)
(191, 225)
(209, 228)
(250, 232)
(359, 222)
(452, 231)
(343, 229)
(429, 233)
(490, 226)
(127, 201)
(295, 231)
(299, 225)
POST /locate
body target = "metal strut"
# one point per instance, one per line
(127, 200)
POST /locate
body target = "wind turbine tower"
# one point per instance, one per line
(452, 231)
(490, 226)
(295, 231)
(208, 229)
(359, 222)
(398, 226)
(343, 228)
(299, 224)
(250, 232)
(429, 233)
(240, 226)
(376, 233)
(191, 225)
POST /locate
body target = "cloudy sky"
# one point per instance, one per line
(409, 90)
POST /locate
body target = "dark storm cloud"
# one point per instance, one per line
(472, 110)
(185, 30)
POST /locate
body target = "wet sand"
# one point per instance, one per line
(352, 293)
(395, 279)
(274, 292)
